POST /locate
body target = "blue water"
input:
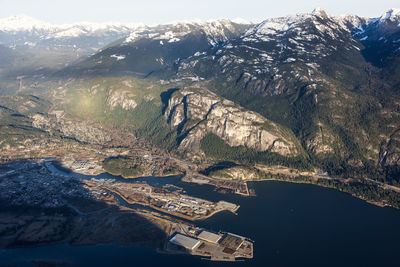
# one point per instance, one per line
(291, 224)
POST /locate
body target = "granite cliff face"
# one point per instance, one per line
(121, 98)
(390, 151)
(195, 112)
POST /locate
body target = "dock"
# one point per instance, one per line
(213, 246)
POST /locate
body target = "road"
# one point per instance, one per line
(189, 169)
(327, 177)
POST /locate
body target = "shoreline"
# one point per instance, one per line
(373, 202)
(301, 180)
(142, 176)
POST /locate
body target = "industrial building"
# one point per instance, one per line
(185, 241)
(209, 237)
(231, 243)
(216, 247)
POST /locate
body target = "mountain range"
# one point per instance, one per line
(306, 91)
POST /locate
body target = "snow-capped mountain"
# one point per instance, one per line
(312, 72)
(216, 31)
(292, 47)
(381, 37)
(24, 31)
(333, 81)
(296, 47)
(392, 15)
(64, 44)
(154, 48)
(387, 24)
(24, 23)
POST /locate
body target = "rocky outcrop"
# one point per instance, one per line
(322, 142)
(390, 155)
(122, 98)
(194, 112)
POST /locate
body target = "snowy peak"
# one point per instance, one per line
(318, 11)
(274, 25)
(293, 46)
(222, 30)
(297, 24)
(382, 29)
(84, 37)
(241, 21)
(26, 32)
(23, 23)
(215, 30)
(392, 14)
(150, 49)
(93, 29)
(351, 22)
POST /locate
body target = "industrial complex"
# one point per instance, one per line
(215, 246)
(166, 201)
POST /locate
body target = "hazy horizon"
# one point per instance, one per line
(159, 12)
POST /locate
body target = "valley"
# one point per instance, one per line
(107, 130)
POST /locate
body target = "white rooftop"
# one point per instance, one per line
(210, 237)
(185, 241)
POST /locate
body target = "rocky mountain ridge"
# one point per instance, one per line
(42, 47)
(195, 112)
(310, 85)
(333, 81)
(153, 49)
(25, 31)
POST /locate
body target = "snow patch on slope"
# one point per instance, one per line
(392, 14)
(118, 57)
(23, 23)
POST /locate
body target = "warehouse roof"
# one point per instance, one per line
(210, 237)
(185, 241)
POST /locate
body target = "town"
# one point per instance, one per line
(36, 184)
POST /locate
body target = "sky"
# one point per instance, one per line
(164, 11)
